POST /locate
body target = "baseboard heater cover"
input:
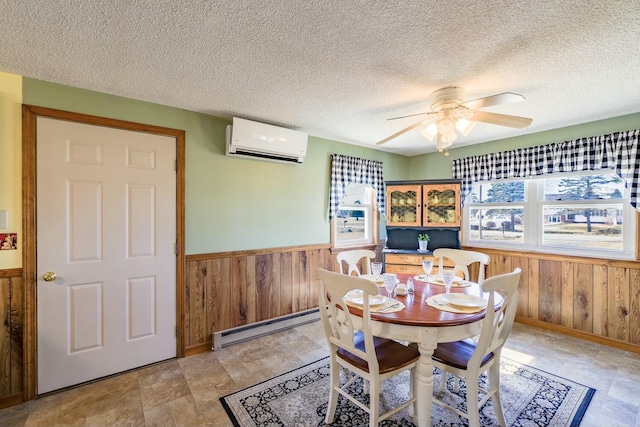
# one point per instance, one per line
(243, 333)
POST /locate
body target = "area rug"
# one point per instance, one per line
(530, 397)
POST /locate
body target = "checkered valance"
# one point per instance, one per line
(347, 170)
(617, 152)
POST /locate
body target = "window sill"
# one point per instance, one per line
(550, 255)
(338, 249)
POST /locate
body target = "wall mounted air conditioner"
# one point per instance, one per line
(261, 141)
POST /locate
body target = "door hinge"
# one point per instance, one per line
(176, 331)
(175, 247)
(176, 165)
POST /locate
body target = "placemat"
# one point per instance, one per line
(435, 302)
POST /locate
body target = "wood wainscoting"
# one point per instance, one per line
(590, 298)
(230, 289)
(11, 334)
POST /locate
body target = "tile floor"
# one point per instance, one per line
(185, 392)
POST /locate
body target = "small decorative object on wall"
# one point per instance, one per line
(423, 241)
(8, 241)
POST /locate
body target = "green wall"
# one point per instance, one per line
(437, 165)
(231, 204)
(235, 204)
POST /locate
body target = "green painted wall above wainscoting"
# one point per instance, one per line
(231, 204)
(438, 166)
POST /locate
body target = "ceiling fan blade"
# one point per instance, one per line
(501, 119)
(407, 129)
(488, 101)
(412, 115)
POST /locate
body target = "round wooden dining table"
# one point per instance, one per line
(427, 326)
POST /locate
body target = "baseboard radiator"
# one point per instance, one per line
(265, 327)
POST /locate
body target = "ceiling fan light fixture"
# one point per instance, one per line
(465, 126)
(443, 143)
(451, 114)
(430, 131)
(446, 126)
(448, 138)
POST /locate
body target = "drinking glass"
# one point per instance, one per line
(376, 269)
(427, 266)
(447, 279)
(390, 280)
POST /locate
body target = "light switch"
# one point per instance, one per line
(4, 219)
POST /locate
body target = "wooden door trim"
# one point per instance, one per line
(29, 251)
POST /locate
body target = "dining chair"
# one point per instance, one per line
(469, 358)
(363, 355)
(462, 260)
(352, 258)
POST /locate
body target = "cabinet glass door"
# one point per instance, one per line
(404, 205)
(442, 202)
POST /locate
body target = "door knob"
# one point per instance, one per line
(49, 276)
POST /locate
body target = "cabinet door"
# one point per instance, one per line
(441, 205)
(404, 205)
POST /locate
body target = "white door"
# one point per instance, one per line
(106, 226)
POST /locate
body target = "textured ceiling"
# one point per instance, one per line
(338, 69)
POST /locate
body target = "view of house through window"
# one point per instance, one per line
(353, 223)
(586, 212)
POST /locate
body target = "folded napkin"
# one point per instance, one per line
(435, 301)
(388, 307)
(436, 280)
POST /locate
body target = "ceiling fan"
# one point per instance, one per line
(449, 112)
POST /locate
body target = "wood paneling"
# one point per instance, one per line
(591, 298)
(583, 297)
(236, 289)
(594, 298)
(11, 336)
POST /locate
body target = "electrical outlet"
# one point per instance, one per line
(4, 219)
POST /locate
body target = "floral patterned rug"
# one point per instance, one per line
(530, 397)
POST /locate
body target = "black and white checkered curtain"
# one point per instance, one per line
(616, 152)
(347, 170)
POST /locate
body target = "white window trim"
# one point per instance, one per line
(533, 208)
(368, 227)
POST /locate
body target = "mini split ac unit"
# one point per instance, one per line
(265, 142)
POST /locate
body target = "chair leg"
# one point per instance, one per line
(374, 402)
(333, 394)
(443, 380)
(412, 390)
(494, 384)
(456, 384)
(473, 412)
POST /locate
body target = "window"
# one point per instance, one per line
(354, 222)
(578, 213)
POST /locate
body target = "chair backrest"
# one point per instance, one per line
(462, 260)
(353, 257)
(336, 319)
(497, 325)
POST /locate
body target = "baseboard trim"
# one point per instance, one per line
(198, 348)
(10, 400)
(609, 342)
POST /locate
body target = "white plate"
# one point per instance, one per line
(464, 300)
(356, 297)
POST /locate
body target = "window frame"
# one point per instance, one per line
(371, 219)
(533, 214)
